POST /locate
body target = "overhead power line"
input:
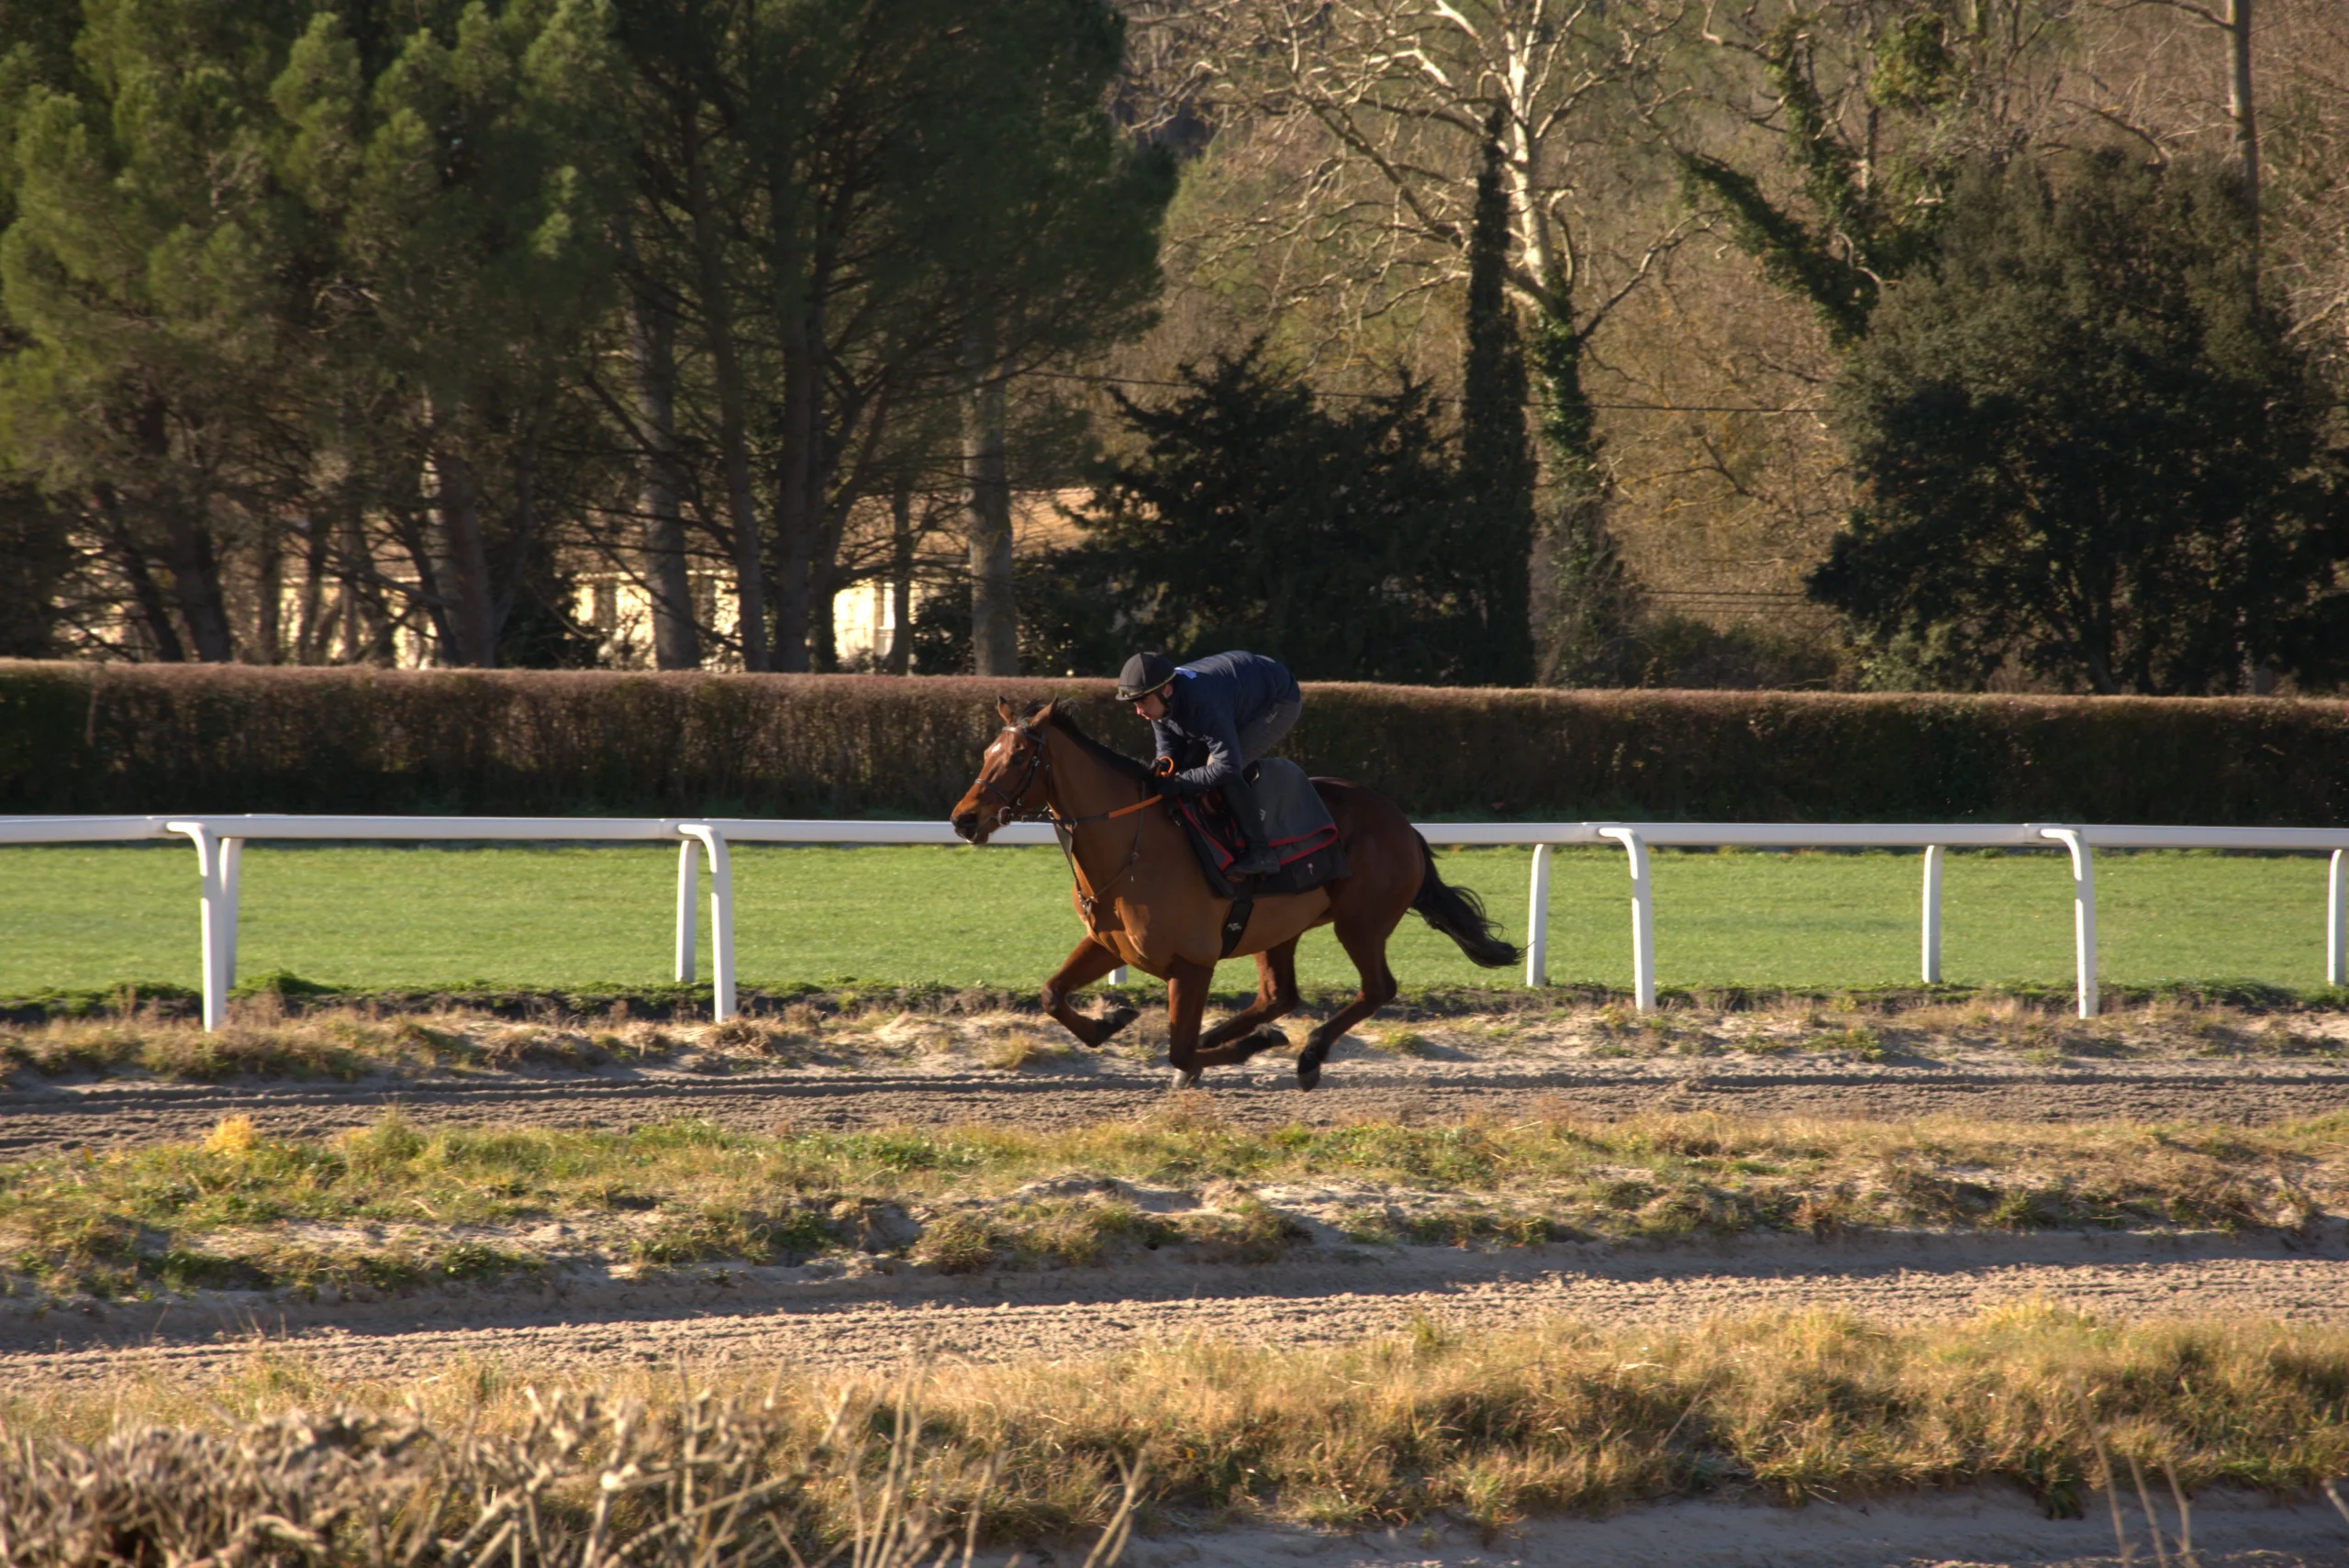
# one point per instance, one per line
(1365, 396)
(1727, 593)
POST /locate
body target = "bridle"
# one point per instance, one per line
(1012, 811)
(1064, 827)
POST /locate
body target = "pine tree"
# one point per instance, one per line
(468, 190)
(153, 277)
(1330, 537)
(2083, 446)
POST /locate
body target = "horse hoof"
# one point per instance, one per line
(1308, 1073)
(1183, 1080)
(1113, 1020)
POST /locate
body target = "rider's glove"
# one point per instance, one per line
(1162, 775)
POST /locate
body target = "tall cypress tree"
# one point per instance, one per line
(1495, 457)
(1587, 603)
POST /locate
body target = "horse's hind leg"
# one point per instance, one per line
(1243, 1035)
(1276, 997)
(1367, 948)
(1089, 963)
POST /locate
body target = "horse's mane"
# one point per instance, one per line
(1107, 756)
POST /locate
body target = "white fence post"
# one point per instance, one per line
(233, 860)
(1537, 920)
(2336, 923)
(2083, 911)
(1933, 932)
(1643, 918)
(215, 864)
(1116, 977)
(688, 874)
(721, 919)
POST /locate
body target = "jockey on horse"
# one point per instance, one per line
(1233, 708)
(1143, 895)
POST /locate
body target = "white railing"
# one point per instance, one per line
(220, 843)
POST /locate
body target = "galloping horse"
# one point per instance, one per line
(1145, 902)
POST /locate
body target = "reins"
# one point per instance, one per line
(1064, 827)
(1099, 816)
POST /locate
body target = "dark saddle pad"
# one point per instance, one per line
(1296, 824)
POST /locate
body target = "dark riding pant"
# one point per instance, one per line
(1256, 736)
(1264, 732)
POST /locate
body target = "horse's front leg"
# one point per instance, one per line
(1089, 963)
(1186, 1003)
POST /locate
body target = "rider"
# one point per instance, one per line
(1235, 705)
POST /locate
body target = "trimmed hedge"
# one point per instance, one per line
(121, 738)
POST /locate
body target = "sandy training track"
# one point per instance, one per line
(1262, 1094)
(1318, 1294)
(775, 1318)
(762, 1321)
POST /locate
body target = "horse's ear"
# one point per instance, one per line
(1004, 711)
(1041, 714)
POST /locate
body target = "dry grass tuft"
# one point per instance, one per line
(1403, 1043)
(701, 1483)
(1015, 1048)
(1242, 1231)
(534, 1045)
(781, 1044)
(261, 1041)
(1441, 1418)
(2039, 1030)
(233, 1136)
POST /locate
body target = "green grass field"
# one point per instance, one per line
(76, 917)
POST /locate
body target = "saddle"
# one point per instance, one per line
(1296, 824)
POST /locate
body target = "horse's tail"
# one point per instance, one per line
(1460, 915)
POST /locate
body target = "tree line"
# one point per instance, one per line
(1965, 343)
(405, 299)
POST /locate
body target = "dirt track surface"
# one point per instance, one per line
(1956, 1528)
(109, 1112)
(777, 1317)
(1321, 1293)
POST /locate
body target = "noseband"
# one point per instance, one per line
(1036, 763)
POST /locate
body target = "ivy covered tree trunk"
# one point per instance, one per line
(1871, 220)
(1583, 602)
(1496, 459)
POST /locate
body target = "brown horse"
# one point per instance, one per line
(1145, 902)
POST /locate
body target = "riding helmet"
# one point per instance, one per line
(1143, 673)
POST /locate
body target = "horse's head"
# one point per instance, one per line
(1013, 777)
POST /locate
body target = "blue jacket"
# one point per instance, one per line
(1212, 701)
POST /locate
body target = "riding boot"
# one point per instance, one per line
(1240, 799)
